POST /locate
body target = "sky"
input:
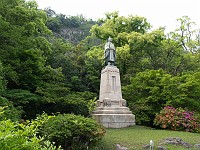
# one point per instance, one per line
(159, 13)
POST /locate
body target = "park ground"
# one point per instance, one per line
(136, 137)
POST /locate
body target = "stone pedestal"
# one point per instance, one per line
(111, 110)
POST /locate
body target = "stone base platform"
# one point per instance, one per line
(114, 117)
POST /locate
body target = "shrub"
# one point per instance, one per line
(22, 136)
(177, 119)
(143, 113)
(72, 131)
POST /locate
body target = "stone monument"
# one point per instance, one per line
(111, 110)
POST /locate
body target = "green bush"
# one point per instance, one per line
(143, 113)
(177, 119)
(22, 136)
(72, 131)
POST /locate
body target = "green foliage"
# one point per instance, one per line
(177, 119)
(58, 98)
(115, 24)
(186, 35)
(54, 24)
(61, 51)
(9, 111)
(25, 100)
(72, 61)
(182, 91)
(144, 94)
(23, 48)
(71, 28)
(150, 90)
(139, 49)
(132, 42)
(93, 66)
(39, 72)
(91, 105)
(22, 136)
(20, 97)
(2, 81)
(69, 104)
(71, 131)
(52, 91)
(50, 99)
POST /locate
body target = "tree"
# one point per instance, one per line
(2, 81)
(186, 38)
(182, 91)
(144, 94)
(151, 90)
(139, 49)
(115, 24)
(93, 66)
(23, 48)
(186, 35)
(50, 12)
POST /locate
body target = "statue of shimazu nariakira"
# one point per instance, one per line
(110, 53)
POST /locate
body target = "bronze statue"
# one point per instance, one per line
(110, 53)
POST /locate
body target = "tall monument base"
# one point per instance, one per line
(111, 110)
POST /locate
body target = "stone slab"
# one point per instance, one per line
(115, 120)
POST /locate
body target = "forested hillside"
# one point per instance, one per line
(51, 62)
(72, 28)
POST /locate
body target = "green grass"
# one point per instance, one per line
(136, 137)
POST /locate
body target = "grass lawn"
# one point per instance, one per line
(136, 137)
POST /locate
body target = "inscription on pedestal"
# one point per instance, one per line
(114, 83)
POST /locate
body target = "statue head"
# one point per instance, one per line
(109, 39)
(109, 44)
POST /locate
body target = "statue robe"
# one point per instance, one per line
(110, 53)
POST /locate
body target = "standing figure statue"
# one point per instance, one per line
(110, 53)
